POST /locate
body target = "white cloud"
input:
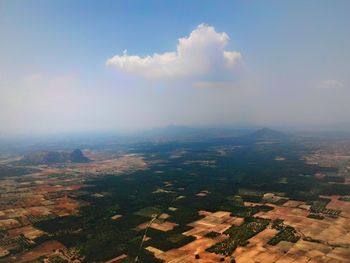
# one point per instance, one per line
(332, 84)
(201, 53)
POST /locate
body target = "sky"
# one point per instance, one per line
(100, 66)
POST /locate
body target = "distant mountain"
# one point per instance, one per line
(213, 134)
(187, 133)
(45, 157)
(53, 157)
(77, 156)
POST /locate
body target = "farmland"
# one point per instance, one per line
(209, 201)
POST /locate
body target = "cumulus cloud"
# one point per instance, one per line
(201, 53)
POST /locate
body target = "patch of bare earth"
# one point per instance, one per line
(196, 250)
(46, 249)
(327, 240)
(162, 226)
(322, 241)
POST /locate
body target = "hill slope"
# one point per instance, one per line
(54, 157)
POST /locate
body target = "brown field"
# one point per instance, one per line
(218, 222)
(334, 231)
(116, 217)
(125, 163)
(28, 231)
(154, 250)
(339, 205)
(164, 216)
(331, 237)
(271, 198)
(46, 249)
(187, 253)
(302, 251)
(65, 206)
(39, 210)
(3, 252)
(50, 192)
(162, 226)
(293, 203)
(8, 223)
(256, 250)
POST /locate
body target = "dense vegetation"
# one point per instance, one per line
(286, 233)
(9, 171)
(212, 234)
(239, 235)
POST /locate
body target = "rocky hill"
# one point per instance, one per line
(54, 157)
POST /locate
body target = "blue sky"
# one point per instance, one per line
(293, 68)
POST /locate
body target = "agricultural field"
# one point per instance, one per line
(228, 200)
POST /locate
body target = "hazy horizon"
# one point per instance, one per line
(91, 66)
